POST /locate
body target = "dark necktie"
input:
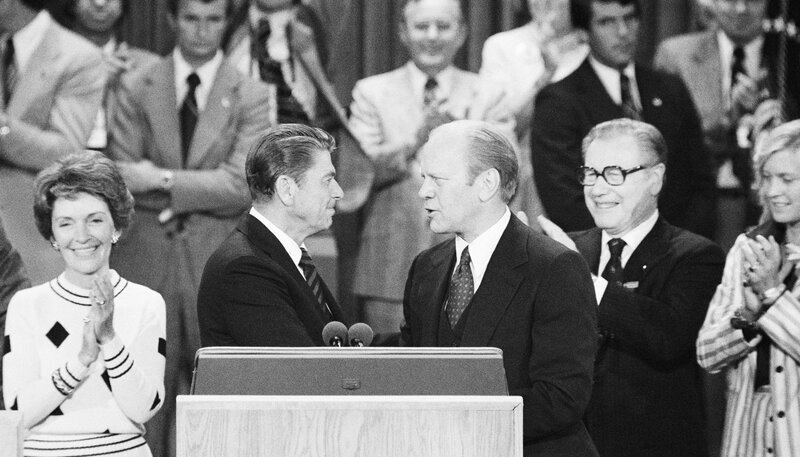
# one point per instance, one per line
(314, 281)
(188, 115)
(461, 289)
(9, 71)
(737, 67)
(289, 109)
(629, 109)
(429, 94)
(613, 272)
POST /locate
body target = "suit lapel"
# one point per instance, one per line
(706, 61)
(650, 251)
(499, 286)
(263, 239)
(214, 118)
(594, 94)
(162, 111)
(432, 292)
(40, 74)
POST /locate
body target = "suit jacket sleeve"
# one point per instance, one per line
(564, 338)
(76, 101)
(390, 159)
(663, 328)
(259, 308)
(556, 137)
(12, 276)
(223, 190)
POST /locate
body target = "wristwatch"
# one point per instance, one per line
(167, 180)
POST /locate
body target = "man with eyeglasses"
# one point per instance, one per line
(609, 85)
(653, 284)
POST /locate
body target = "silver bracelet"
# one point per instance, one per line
(59, 383)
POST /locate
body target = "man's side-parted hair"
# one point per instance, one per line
(89, 172)
(407, 3)
(647, 137)
(488, 148)
(581, 10)
(173, 5)
(284, 150)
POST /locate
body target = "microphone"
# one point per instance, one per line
(360, 334)
(334, 334)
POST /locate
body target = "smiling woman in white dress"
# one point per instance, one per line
(84, 352)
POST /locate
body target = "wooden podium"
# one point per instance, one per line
(12, 434)
(348, 426)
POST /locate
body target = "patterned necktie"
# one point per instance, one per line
(9, 71)
(614, 272)
(188, 115)
(271, 71)
(429, 94)
(314, 281)
(461, 289)
(737, 66)
(629, 109)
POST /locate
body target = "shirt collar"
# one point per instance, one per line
(206, 72)
(633, 238)
(286, 241)
(482, 247)
(28, 38)
(609, 76)
(444, 81)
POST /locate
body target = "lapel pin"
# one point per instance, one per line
(657, 102)
(644, 267)
(226, 103)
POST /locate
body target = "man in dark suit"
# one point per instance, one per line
(654, 282)
(606, 86)
(499, 283)
(12, 279)
(260, 287)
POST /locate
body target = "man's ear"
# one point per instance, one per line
(285, 190)
(489, 182)
(657, 176)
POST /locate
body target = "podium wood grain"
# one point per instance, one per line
(349, 426)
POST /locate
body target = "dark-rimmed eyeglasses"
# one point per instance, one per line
(613, 174)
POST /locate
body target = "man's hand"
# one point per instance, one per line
(140, 176)
(555, 232)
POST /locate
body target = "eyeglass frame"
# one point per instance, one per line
(580, 173)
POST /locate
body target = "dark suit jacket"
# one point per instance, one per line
(565, 112)
(647, 395)
(252, 294)
(547, 331)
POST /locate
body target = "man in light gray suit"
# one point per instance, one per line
(180, 136)
(724, 70)
(392, 114)
(52, 85)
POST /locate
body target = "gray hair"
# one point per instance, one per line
(647, 137)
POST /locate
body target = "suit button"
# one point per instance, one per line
(779, 369)
(781, 414)
(769, 450)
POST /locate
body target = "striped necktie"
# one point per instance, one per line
(314, 280)
(629, 108)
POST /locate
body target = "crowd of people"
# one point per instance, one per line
(565, 204)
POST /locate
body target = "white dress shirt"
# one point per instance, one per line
(610, 78)
(632, 241)
(482, 248)
(206, 72)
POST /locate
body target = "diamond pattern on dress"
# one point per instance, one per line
(57, 334)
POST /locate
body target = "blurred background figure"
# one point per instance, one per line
(99, 22)
(522, 61)
(12, 279)
(85, 356)
(751, 331)
(52, 86)
(180, 136)
(391, 116)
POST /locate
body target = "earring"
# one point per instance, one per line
(114, 238)
(55, 246)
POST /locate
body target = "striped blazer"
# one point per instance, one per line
(721, 347)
